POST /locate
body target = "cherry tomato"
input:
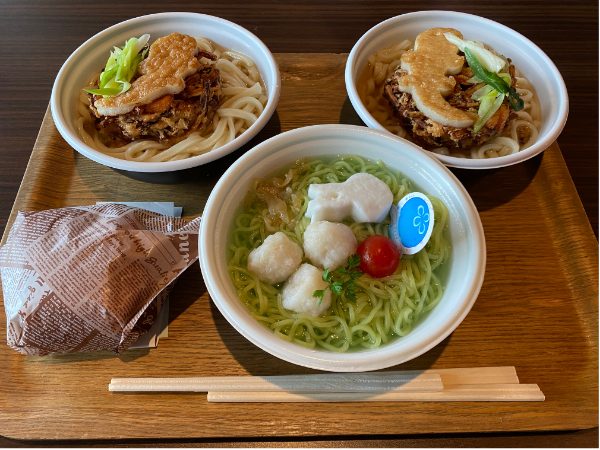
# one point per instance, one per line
(379, 256)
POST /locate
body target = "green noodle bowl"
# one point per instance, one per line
(384, 309)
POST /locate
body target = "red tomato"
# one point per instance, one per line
(379, 256)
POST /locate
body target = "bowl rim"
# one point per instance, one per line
(72, 138)
(263, 338)
(556, 125)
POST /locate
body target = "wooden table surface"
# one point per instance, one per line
(37, 36)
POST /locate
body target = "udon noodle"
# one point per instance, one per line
(521, 131)
(243, 100)
(384, 308)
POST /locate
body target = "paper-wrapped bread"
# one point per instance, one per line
(89, 278)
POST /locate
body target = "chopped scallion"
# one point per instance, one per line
(495, 81)
(488, 106)
(121, 67)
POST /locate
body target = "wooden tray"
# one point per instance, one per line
(537, 309)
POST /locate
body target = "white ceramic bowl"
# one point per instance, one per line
(467, 262)
(91, 56)
(533, 63)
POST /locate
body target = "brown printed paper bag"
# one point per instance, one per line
(90, 278)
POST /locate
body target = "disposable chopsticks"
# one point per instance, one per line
(478, 375)
(470, 393)
(460, 384)
(330, 382)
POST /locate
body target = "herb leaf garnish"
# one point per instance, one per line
(342, 280)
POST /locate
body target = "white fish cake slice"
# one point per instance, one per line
(363, 197)
(428, 67)
(170, 60)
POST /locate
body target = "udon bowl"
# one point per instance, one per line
(466, 264)
(533, 63)
(90, 58)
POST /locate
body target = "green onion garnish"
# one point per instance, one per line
(489, 104)
(495, 81)
(121, 67)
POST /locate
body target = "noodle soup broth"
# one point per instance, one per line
(385, 309)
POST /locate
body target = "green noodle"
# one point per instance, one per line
(383, 309)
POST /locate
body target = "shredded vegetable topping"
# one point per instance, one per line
(488, 60)
(121, 66)
(495, 81)
(486, 68)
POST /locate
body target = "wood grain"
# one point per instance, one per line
(537, 309)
